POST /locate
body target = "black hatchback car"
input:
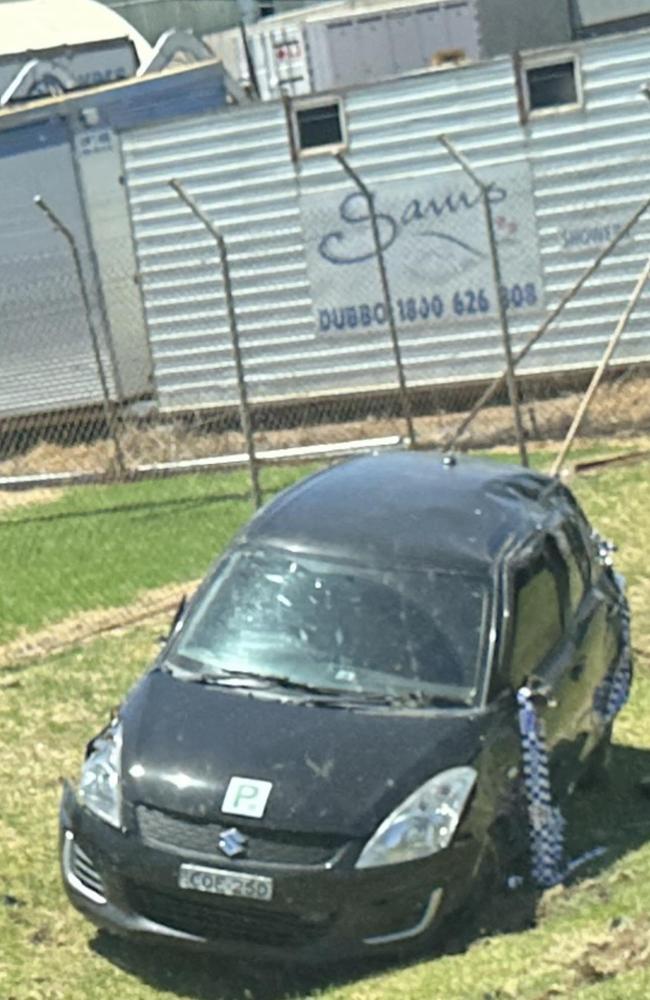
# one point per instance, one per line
(331, 751)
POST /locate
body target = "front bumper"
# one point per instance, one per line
(318, 912)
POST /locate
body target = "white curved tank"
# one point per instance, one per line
(30, 26)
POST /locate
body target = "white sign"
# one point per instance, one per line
(435, 244)
(246, 797)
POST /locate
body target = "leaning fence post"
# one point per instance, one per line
(244, 408)
(568, 297)
(612, 344)
(108, 416)
(501, 308)
(388, 302)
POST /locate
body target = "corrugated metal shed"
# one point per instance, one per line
(591, 168)
(238, 166)
(585, 167)
(47, 361)
(394, 129)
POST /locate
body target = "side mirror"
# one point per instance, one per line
(541, 693)
(176, 620)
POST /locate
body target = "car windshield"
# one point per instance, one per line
(394, 632)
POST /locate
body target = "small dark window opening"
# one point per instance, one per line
(319, 126)
(267, 8)
(552, 86)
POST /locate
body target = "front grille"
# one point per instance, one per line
(223, 920)
(266, 846)
(84, 870)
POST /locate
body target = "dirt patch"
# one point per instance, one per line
(626, 947)
(83, 627)
(621, 408)
(10, 499)
(623, 947)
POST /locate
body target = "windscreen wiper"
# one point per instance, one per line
(223, 675)
(284, 682)
(405, 700)
(341, 697)
(321, 694)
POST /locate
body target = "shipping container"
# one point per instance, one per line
(339, 44)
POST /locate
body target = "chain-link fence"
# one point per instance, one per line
(421, 305)
(441, 319)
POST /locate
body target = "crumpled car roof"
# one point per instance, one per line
(407, 507)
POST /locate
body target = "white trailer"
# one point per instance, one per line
(346, 43)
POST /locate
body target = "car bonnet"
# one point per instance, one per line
(330, 770)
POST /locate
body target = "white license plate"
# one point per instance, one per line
(225, 883)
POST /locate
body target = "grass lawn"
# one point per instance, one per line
(99, 546)
(591, 940)
(598, 927)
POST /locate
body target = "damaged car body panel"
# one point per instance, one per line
(326, 754)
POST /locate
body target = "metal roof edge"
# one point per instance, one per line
(579, 44)
(63, 103)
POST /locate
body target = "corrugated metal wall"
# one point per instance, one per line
(66, 150)
(45, 343)
(237, 165)
(588, 172)
(591, 170)
(394, 131)
(359, 47)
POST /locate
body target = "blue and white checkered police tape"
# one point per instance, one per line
(615, 689)
(549, 865)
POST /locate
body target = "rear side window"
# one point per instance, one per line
(578, 537)
(539, 593)
(576, 558)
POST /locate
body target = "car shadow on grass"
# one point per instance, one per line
(613, 814)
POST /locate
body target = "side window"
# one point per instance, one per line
(575, 556)
(578, 531)
(537, 607)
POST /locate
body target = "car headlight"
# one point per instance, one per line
(424, 823)
(99, 786)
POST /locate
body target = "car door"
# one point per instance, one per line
(593, 625)
(543, 651)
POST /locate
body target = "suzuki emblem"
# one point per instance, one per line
(233, 843)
